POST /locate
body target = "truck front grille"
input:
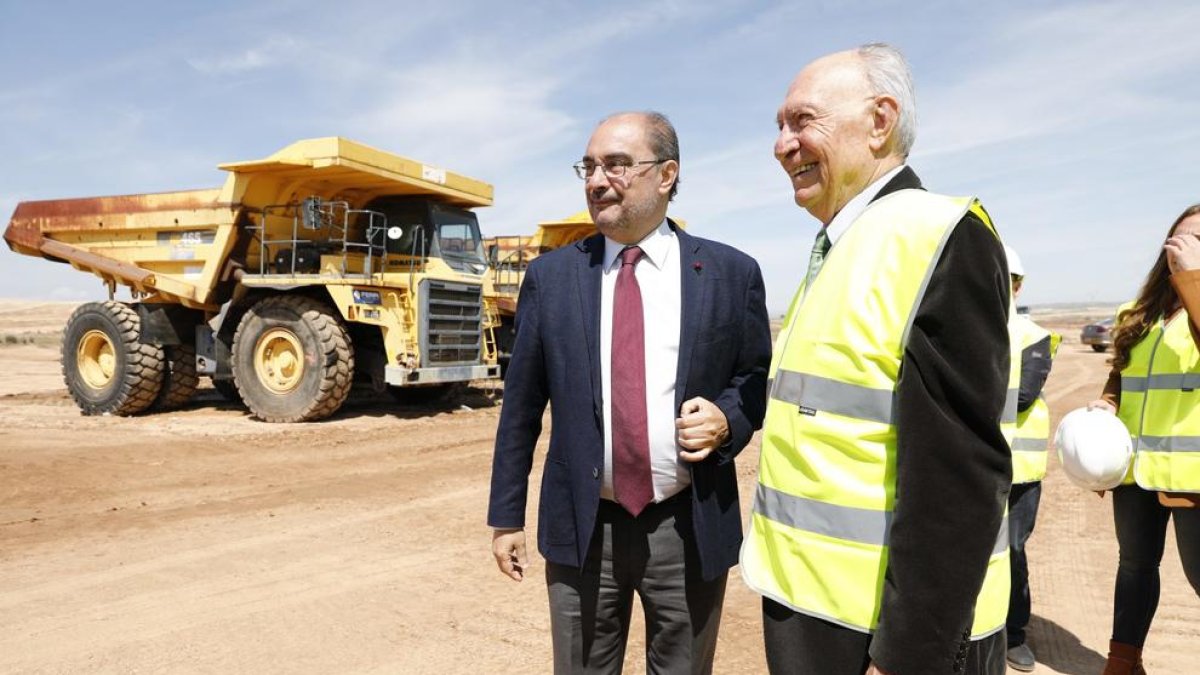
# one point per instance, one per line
(451, 321)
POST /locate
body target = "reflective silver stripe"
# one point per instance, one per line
(821, 394)
(849, 523)
(1177, 381)
(1009, 416)
(1132, 384)
(1001, 544)
(1169, 443)
(865, 526)
(1029, 445)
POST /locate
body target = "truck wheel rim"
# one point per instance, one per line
(96, 359)
(279, 360)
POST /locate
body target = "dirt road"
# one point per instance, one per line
(203, 541)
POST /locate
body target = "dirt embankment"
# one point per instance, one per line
(203, 541)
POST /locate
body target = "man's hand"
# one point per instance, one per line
(508, 545)
(874, 669)
(701, 428)
(1183, 252)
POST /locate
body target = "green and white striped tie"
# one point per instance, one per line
(819, 251)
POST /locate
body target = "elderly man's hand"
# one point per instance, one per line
(508, 546)
(701, 428)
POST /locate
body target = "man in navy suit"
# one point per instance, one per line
(652, 347)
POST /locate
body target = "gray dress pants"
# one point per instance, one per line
(655, 556)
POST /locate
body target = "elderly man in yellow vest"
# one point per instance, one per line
(878, 537)
(1038, 347)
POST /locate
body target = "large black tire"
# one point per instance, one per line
(106, 369)
(228, 390)
(1100, 348)
(292, 360)
(179, 377)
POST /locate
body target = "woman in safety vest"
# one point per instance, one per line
(1154, 388)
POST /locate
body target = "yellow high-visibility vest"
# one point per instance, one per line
(1033, 424)
(1160, 405)
(818, 535)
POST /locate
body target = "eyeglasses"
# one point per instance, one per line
(615, 169)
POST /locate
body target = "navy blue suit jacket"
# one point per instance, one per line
(724, 354)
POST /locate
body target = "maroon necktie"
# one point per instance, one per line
(632, 483)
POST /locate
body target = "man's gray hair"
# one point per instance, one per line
(660, 133)
(888, 73)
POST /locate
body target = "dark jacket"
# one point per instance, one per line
(953, 467)
(724, 353)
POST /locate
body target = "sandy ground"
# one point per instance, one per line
(203, 541)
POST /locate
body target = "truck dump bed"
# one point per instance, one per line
(178, 245)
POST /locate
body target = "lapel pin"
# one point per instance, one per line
(698, 266)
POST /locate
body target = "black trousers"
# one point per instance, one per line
(1022, 514)
(1141, 534)
(798, 644)
(654, 555)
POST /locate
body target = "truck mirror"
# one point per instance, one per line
(311, 213)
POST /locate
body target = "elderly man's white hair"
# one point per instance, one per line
(888, 73)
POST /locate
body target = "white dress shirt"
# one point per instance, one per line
(658, 277)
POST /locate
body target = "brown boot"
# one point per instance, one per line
(1123, 659)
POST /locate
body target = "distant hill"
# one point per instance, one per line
(1082, 310)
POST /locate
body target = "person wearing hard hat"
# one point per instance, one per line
(1154, 388)
(1038, 347)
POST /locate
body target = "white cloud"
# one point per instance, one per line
(587, 40)
(490, 117)
(1058, 71)
(734, 179)
(275, 51)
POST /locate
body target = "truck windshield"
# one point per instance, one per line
(457, 239)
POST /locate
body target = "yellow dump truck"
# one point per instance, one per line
(509, 256)
(328, 264)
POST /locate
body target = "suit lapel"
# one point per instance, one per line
(693, 299)
(905, 179)
(589, 266)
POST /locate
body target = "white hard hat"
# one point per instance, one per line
(1014, 261)
(1094, 448)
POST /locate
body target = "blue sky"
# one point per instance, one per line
(1075, 123)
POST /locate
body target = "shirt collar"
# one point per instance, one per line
(655, 246)
(854, 208)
